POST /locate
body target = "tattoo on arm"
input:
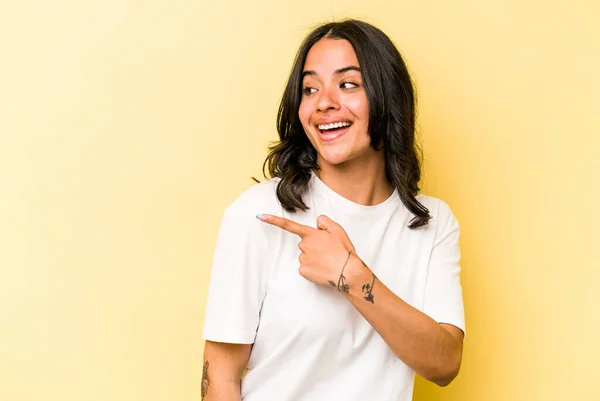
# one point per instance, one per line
(205, 380)
(341, 285)
(368, 290)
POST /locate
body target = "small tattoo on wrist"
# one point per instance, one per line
(341, 284)
(368, 290)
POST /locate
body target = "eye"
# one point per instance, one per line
(348, 85)
(307, 90)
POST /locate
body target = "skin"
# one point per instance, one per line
(348, 165)
(333, 91)
(226, 363)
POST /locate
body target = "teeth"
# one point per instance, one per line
(324, 127)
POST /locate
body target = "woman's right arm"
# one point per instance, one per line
(224, 364)
(238, 283)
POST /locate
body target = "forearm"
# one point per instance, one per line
(419, 341)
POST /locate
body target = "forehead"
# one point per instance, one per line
(328, 55)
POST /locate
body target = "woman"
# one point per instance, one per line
(347, 281)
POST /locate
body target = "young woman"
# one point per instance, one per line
(336, 280)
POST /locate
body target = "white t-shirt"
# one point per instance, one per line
(310, 343)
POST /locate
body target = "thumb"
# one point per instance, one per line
(326, 224)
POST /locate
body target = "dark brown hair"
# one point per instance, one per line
(391, 100)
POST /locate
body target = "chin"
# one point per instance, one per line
(333, 158)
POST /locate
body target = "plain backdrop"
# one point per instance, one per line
(127, 126)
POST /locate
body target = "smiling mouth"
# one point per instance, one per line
(332, 128)
(331, 132)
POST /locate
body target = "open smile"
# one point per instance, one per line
(332, 131)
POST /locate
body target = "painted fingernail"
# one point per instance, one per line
(261, 217)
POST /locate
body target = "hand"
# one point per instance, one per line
(325, 250)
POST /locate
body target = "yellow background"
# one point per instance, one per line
(127, 126)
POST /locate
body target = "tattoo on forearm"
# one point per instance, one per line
(341, 285)
(368, 290)
(205, 380)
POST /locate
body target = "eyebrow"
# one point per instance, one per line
(337, 72)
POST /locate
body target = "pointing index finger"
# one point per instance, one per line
(285, 224)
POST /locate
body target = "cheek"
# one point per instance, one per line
(304, 113)
(360, 108)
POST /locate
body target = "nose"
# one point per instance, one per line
(328, 99)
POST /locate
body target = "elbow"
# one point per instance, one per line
(444, 375)
(443, 381)
(445, 378)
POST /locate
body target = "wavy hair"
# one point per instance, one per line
(392, 104)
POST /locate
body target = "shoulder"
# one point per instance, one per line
(259, 198)
(437, 207)
(239, 223)
(442, 218)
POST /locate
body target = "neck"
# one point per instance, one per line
(364, 183)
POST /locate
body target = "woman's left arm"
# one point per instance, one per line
(432, 349)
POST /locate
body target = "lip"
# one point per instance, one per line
(330, 137)
(331, 121)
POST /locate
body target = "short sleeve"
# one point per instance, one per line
(443, 291)
(238, 279)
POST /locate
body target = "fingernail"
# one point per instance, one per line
(261, 217)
